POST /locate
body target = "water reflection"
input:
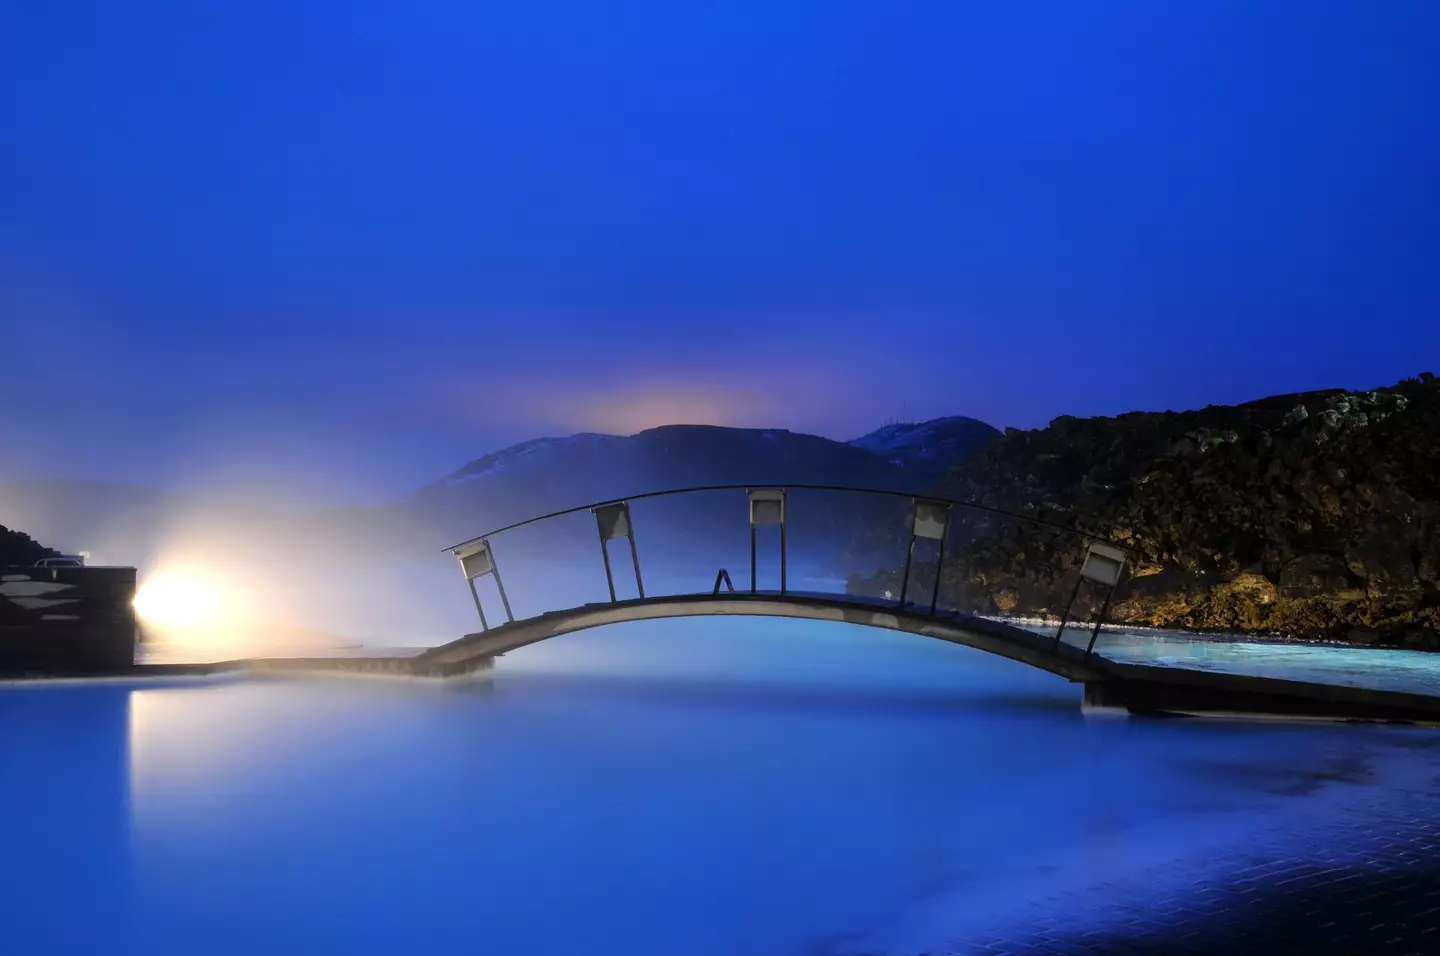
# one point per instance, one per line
(709, 787)
(64, 797)
(724, 786)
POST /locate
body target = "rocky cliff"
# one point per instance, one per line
(20, 549)
(1312, 515)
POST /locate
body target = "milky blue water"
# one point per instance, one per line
(721, 786)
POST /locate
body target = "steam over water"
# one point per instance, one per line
(712, 787)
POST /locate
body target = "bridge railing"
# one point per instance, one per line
(926, 555)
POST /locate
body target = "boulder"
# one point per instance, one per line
(1383, 558)
(1314, 575)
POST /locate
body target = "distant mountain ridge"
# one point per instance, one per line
(381, 572)
(547, 474)
(924, 450)
(929, 448)
(520, 481)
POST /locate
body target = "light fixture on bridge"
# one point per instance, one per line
(931, 520)
(477, 560)
(1104, 564)
(613, 521)
(767, 507)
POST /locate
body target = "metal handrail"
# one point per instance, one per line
(931, 519)
(849, 489)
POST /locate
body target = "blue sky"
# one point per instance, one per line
(341, 248)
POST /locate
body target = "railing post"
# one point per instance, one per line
(905, 578)
(635, 560)
(480, 608)
(500, 586)
(1065, 617)
(767, 507)
(1103, 564)
(1104, 609)
(613, 521)
(752, 556)
(605, 556)
(477, 560)
(782, 557)
(940, 562)
(929, 519)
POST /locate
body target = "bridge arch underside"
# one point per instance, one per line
(479, 649)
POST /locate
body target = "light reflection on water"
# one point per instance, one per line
(719, 786)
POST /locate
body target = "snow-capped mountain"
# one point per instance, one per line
(928, 448)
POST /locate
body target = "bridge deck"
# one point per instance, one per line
(994, 637)
(1109, 685)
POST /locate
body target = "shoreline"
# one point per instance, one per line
(1219, 637)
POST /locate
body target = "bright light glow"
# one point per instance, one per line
(179, 600)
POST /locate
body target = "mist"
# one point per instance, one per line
(265, 577)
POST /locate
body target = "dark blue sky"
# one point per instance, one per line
(346, 246)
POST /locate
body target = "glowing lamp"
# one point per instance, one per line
(475, 560)
(177, 600)
(767, 506)
(1103, 564)
(932, 520)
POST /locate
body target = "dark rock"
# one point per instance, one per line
(1427, 567)
(1312, 575)
(1382, 557)
(1312, 514)
(17, 548)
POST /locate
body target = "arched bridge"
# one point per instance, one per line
(914, 605)
(915, 609)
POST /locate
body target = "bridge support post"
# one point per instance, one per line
(1065, 618)
(477, 560)
(1104, 610)
(613, 521)
(609, 575)
(931, 519)
(767, 507)
(479, 608)
(939, 563)
(500, 586)
(1104, 564)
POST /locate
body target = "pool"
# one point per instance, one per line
(705, 787)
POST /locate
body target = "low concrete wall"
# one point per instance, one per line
(66, 621)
